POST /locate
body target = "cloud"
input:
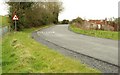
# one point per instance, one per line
(3, 8)
(90, 9)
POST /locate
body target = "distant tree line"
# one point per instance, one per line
(65, 21)
(33, 14)
(77, 20)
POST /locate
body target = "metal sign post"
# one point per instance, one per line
(15, 26)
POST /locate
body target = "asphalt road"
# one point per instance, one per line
(103, 49)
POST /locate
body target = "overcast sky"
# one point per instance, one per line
(3, 8)
(88, 9)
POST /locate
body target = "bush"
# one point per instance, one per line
(65, 21)
(78, 20)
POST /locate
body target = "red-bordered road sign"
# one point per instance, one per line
(15, 17)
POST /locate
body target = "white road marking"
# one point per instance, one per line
(41, 32)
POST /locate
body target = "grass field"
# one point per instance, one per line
(22, 54)
(4, 21)
(96, 33)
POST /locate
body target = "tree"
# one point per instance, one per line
(55, 8)
(78, 20)
(65, 21)
(117, 22)
(19, 8)
(32, 14)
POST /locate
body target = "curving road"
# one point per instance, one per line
(103, 49)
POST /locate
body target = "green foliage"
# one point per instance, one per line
(96, 33)
(22, 54)
(0, 56)
(33, 14)
(65, 21)
(4, 21)
(78, 20)
(117, 22)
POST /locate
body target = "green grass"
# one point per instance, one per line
(22, 54)
(4, 21)
(0, 56)
(96, 33)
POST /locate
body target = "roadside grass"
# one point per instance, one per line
(4, 21)
(22, 54)
(0, 56)
(96, 33)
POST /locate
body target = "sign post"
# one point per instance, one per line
(15, 26)
(14, 19)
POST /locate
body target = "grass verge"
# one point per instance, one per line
(96, 33)
(4, 21)
(0, 56)
(22, 54)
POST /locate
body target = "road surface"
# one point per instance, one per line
(103, 49)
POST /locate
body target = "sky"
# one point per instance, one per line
(89, 9)
(86, 9)
(3, 8)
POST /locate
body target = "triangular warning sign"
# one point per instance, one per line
(15, 17)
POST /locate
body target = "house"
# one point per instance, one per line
(96, 24)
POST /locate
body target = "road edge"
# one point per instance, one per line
(35, 33)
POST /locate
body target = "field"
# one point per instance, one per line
(4, 21)
(96, 33)
(22, 54)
